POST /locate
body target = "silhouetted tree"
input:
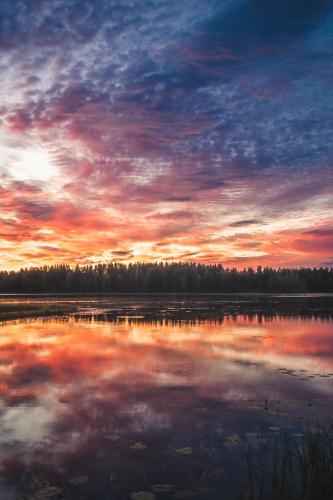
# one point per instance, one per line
(164, 278)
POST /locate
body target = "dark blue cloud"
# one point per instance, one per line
(267, 21)
(234, 87)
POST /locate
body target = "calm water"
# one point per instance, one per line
(157, 399)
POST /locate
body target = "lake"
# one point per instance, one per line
(143, 397)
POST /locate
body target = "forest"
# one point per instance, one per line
(165, 278)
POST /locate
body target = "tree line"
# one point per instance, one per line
(164, 278)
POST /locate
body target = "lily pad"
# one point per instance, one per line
(142, 495)
(79, 480)
(184, 494)
(138, 446)
(233, 440)
(39, 485)
(163, 488)
(251, 434)
(48, 492)
(184, 451)
(112, 437)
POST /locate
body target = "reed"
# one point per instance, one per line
(10, 311)
(292, 468)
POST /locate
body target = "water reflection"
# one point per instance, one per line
(106, 410)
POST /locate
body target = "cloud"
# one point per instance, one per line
(221, 110)
(246, 222)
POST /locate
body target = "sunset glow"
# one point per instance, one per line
(166, 131)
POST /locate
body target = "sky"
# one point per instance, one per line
(166, 130)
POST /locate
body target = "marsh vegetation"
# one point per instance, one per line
(10, 310)
(291, 467)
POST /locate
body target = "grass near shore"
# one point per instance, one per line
(11, 311)
(293, 468)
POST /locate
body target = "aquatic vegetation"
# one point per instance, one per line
(296, 466)
(10, 311)
(45, 492)
(138, 446)
(79, 480)
(163, 488)
(142, 495)
(232, 440)
(184, 451)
